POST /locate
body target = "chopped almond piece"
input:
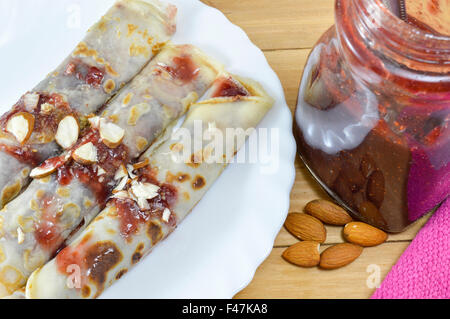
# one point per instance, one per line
(144, 190)
(121, 173)
(141, 164)
(86, 154)
(31, 101)
(111, 134)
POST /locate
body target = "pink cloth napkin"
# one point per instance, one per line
(423, 271)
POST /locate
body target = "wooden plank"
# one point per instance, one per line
(289, 64)
(282, 24)
(276, 278)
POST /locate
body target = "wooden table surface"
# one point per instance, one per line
(286, 30)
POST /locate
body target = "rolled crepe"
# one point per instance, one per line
(73, 188)
(126, 230)
(111, 54)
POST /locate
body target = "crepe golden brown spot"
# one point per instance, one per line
(34, 205)
(195, 160)
(69, 214)
(141, 143)
(83, 50)
(127, 99)
(2, 222)
(131, 29)
(121, 273)
(109, 86)
(114, 118)
(170, 178)
(11, 277)
(136, 112)
(63, 192)
(32, 260)
(40, 194)
(10, 192)
(85, 291)
(136, 50)
(2, 253)
(177, 147)
(112, 212)
(181, 177)
(87, 203)
(100, 259)
(154, 232)
(198, 183)
(26, 223)
(25, 172)
(137, 256)
(157, 47)
(186, 196)
(102, 25)
(45, 180)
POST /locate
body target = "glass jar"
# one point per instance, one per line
(372, 122)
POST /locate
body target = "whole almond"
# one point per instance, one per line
(306, 227)
(339, 256)
(364, 235)
(328, 212)
(303, 254)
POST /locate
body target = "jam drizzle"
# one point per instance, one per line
(228, 87)
(131, 215)
(91, 75)
(184, 69)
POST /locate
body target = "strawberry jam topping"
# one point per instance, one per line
(183, 69)
(229, 88)
(24, 154)
(107, 158)
(91, 75)
(131, 215)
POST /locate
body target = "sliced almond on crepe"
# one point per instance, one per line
(100, 171)
(94, 122)
(121, 173)
(41, 172)
(144, 190)
(121, 185)
(49, 167)
(21, 126)
(121, 195)
(68, 132)
(166, 215)
(31, 101)
(130, 170)
(111, 134)
(86, 154)
(141, 164)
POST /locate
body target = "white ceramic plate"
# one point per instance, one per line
(215, 252)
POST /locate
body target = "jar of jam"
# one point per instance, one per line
(372, 122)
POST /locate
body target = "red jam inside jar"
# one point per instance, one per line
(373, 115)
